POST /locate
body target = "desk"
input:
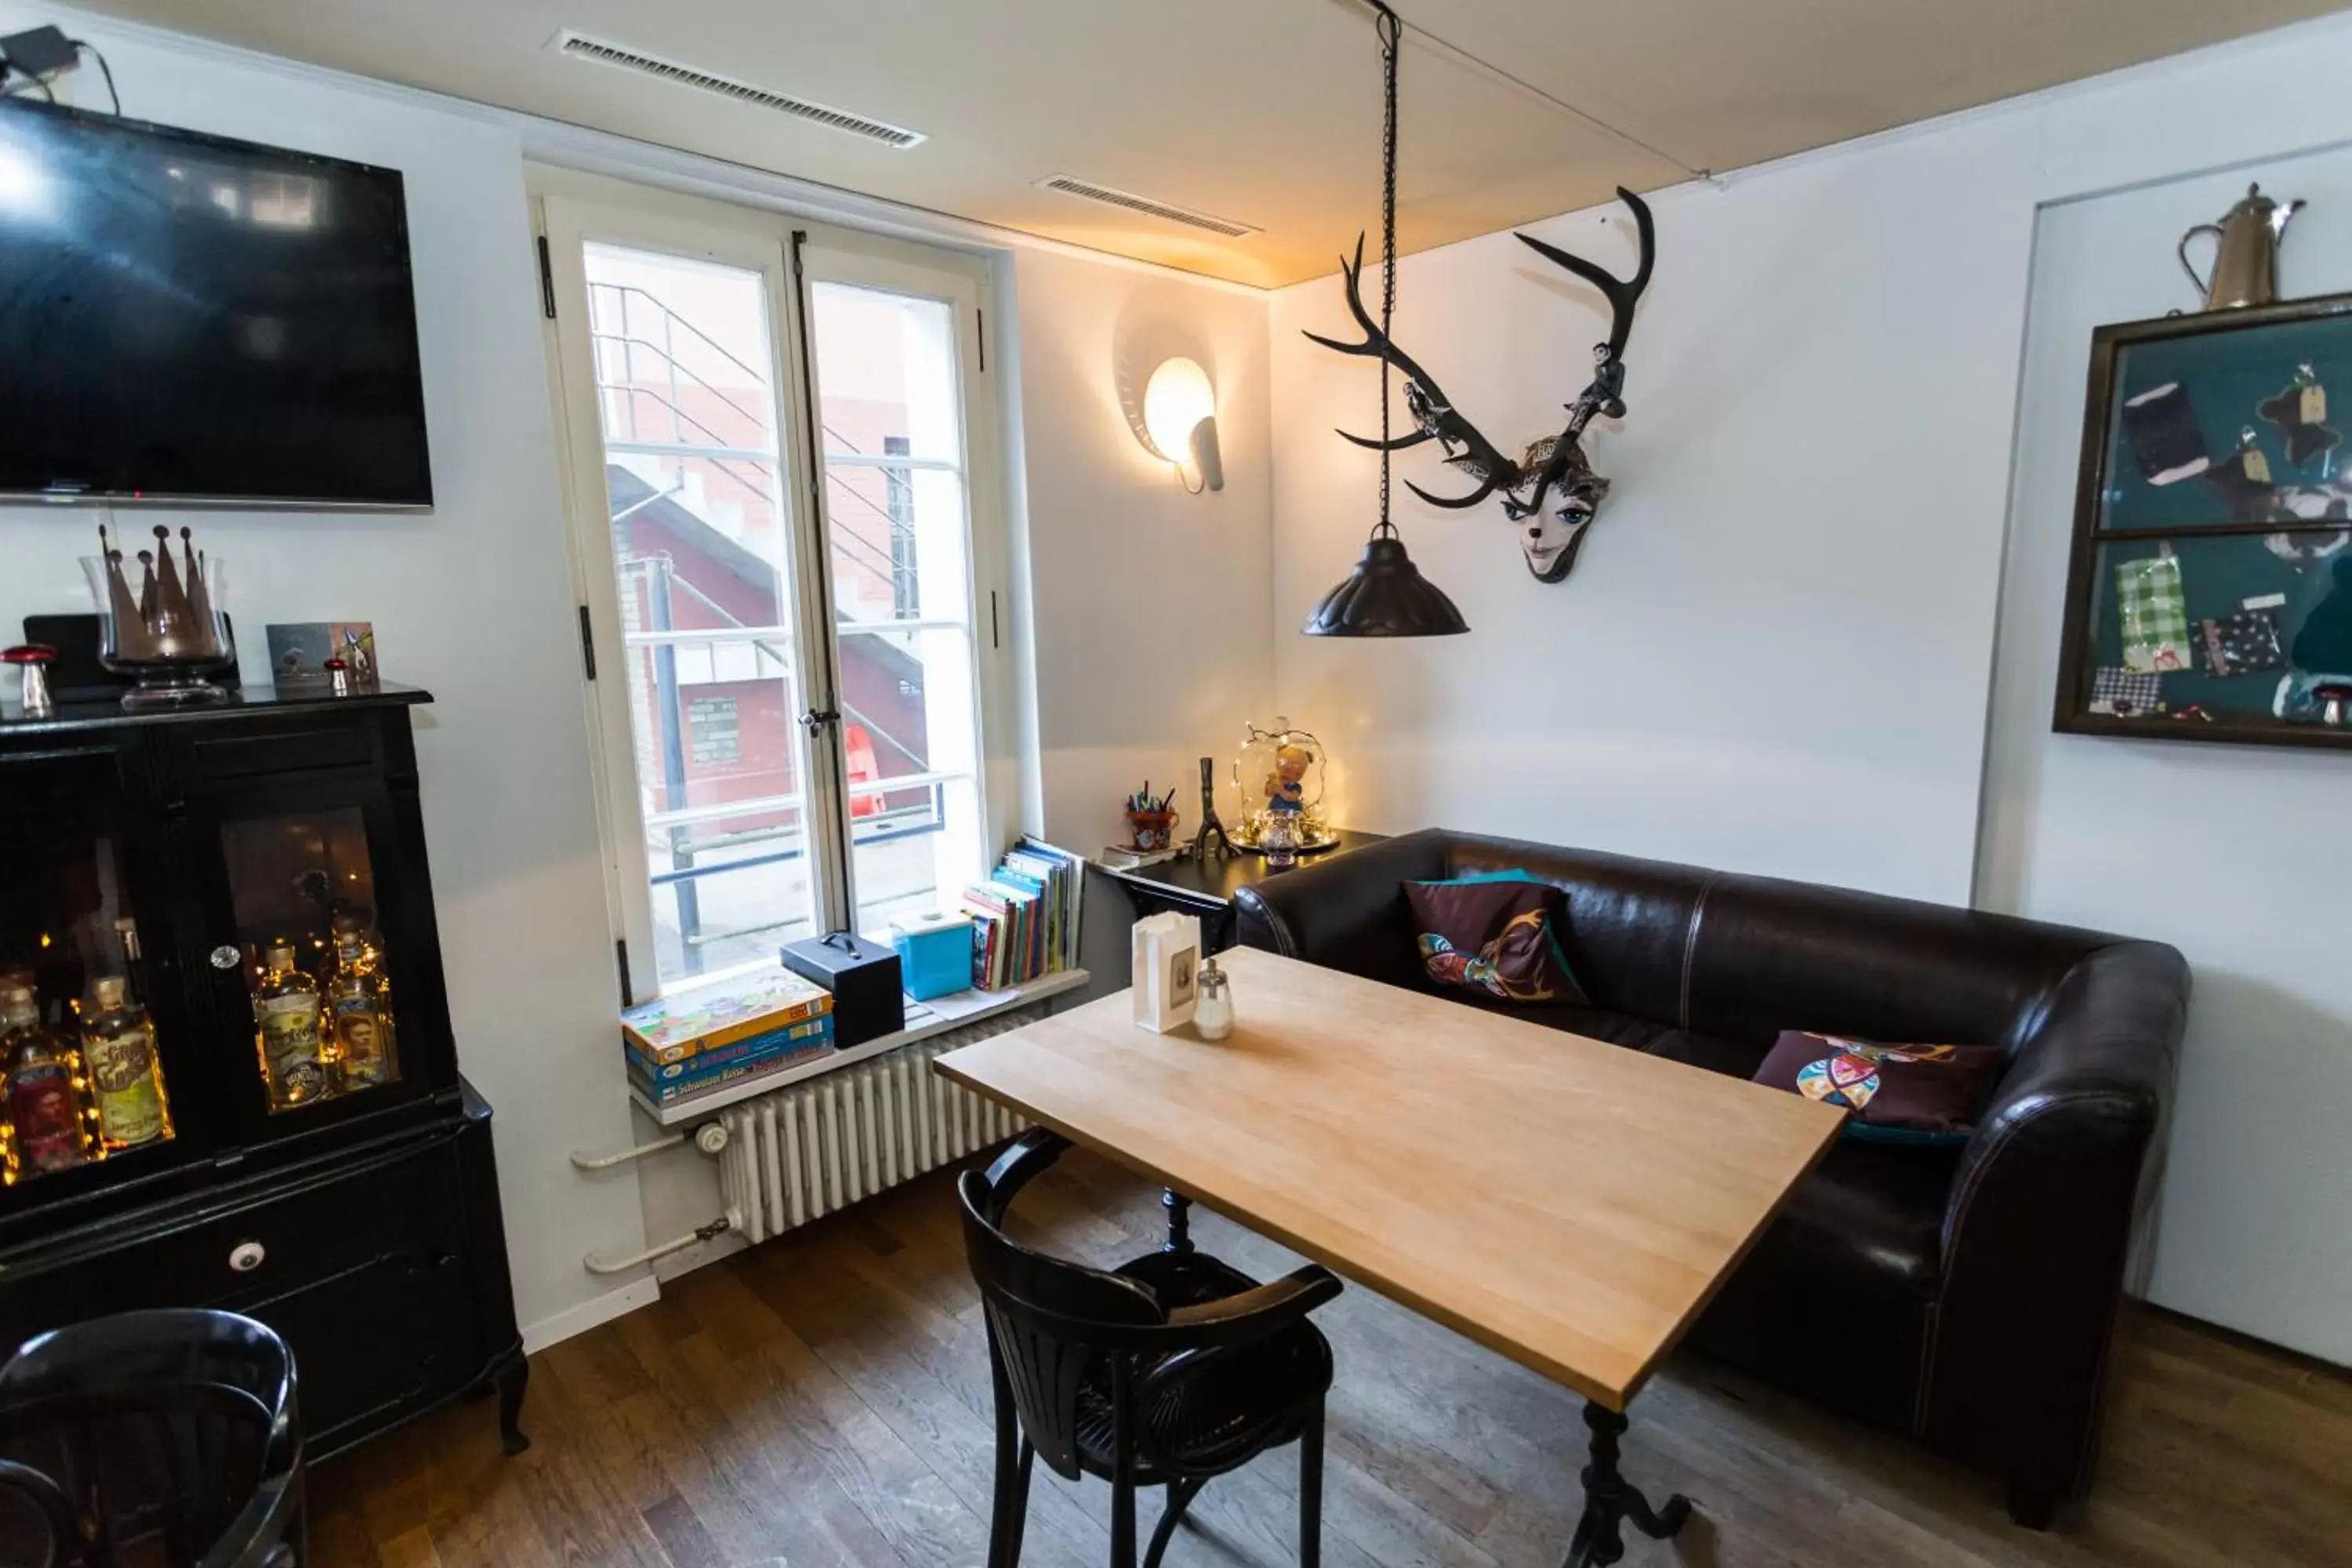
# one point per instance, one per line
(1187, 887)
(1569, 1204)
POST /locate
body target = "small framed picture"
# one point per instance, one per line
(298, 653)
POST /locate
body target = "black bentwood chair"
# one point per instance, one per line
(1170, 1370)
(164, 1437)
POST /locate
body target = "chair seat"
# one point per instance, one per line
(1255, 1397)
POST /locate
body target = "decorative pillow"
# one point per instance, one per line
(1890, 1094)
(1495, 934)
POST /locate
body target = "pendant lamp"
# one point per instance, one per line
(1386, 595)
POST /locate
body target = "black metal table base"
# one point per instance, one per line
(1610, 1500)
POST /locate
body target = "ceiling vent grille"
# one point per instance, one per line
(582, 46)
(1071, 186)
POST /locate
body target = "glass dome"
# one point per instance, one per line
(1276, 765)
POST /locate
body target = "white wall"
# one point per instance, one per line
(472, 602)
(1776, 653)
(2236, 855)
(1770, 653)
(1149, 605)
(1156, 599)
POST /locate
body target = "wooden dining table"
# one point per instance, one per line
(1570, 1203)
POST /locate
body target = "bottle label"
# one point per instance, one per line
(122, 1072)
(48, 1132)
(289, 1043)
(360, 1029)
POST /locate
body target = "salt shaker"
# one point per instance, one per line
(1212, 1017)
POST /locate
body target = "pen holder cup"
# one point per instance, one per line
(1148, 830)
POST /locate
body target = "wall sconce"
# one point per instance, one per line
(1180, 414)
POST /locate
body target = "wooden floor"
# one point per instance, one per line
(822, 1401)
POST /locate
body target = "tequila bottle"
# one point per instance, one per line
(363, 1032)
(117, 1046)
(44, 1100)
(286, 1012)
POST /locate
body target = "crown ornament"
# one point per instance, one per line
(167, 633)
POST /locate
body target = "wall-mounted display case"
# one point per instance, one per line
(2210, 594)
(227, 1076)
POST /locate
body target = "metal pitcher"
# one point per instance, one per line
(2245, 252)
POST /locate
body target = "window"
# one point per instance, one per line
(790, 681)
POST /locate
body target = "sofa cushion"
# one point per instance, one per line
(1495, 935)
(1895, 1094)
(1736, 1058)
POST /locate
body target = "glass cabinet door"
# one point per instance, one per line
(83, 1073)
(310, 946)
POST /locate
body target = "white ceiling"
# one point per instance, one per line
(1267, 111)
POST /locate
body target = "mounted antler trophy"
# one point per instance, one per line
(1552, 490)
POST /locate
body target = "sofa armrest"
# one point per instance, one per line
(2043, 1213)
(1348, 912)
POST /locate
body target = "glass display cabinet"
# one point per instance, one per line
(2210, 592)
(227, 1076)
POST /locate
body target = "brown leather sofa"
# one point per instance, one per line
(1964, 1295)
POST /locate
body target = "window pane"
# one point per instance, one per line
(714, 723)
(917, 848)
(908, 703)
(886, 364)
(729, 890)
(898, 545)
(701, 551)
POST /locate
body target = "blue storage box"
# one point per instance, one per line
(934, 954)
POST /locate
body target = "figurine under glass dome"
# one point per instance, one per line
(1279, 775)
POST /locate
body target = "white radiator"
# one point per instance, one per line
(808, 1150)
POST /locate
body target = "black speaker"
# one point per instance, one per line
(867, 1000)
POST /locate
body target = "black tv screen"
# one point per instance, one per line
(186, 318)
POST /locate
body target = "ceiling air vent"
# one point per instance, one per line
(580, 46)
(1070, 186)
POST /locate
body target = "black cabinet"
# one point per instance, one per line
(293, 1140)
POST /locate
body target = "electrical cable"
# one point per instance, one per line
(104, 70)
(1524, 85)
(18, 91)
(1392, 31)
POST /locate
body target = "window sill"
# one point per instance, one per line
(926, 1019)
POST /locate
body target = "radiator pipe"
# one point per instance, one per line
(730, 1220)
(710, 1138)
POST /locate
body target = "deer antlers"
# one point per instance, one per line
(1465, 448)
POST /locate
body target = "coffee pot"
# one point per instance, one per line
(2245, 252)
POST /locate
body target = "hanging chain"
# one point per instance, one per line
(1392, 37)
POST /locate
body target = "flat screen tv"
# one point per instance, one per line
(184, 318)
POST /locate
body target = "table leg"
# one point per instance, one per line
(1610, 1500)
(1179, 1222)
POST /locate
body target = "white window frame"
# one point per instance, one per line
(572, 209)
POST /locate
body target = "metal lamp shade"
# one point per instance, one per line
(1385, 596)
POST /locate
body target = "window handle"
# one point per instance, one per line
(816, 719)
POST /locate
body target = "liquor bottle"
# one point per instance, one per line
(117, 1046)
(44, 1105)
(363, 1032)
(286, 1010)
(135, 961)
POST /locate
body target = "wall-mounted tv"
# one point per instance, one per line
(184, 318)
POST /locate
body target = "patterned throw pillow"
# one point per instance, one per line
(1495, 934)
(1892, 1094)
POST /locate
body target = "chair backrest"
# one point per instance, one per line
(173, 1432)
(1050, 1322)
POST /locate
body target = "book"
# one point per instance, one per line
(676, 1091)
(751, 1048)
(684, 1023)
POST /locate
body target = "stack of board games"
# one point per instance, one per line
(699, 1040)
(1024, 918)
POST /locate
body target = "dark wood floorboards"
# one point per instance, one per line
(822, 1401)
